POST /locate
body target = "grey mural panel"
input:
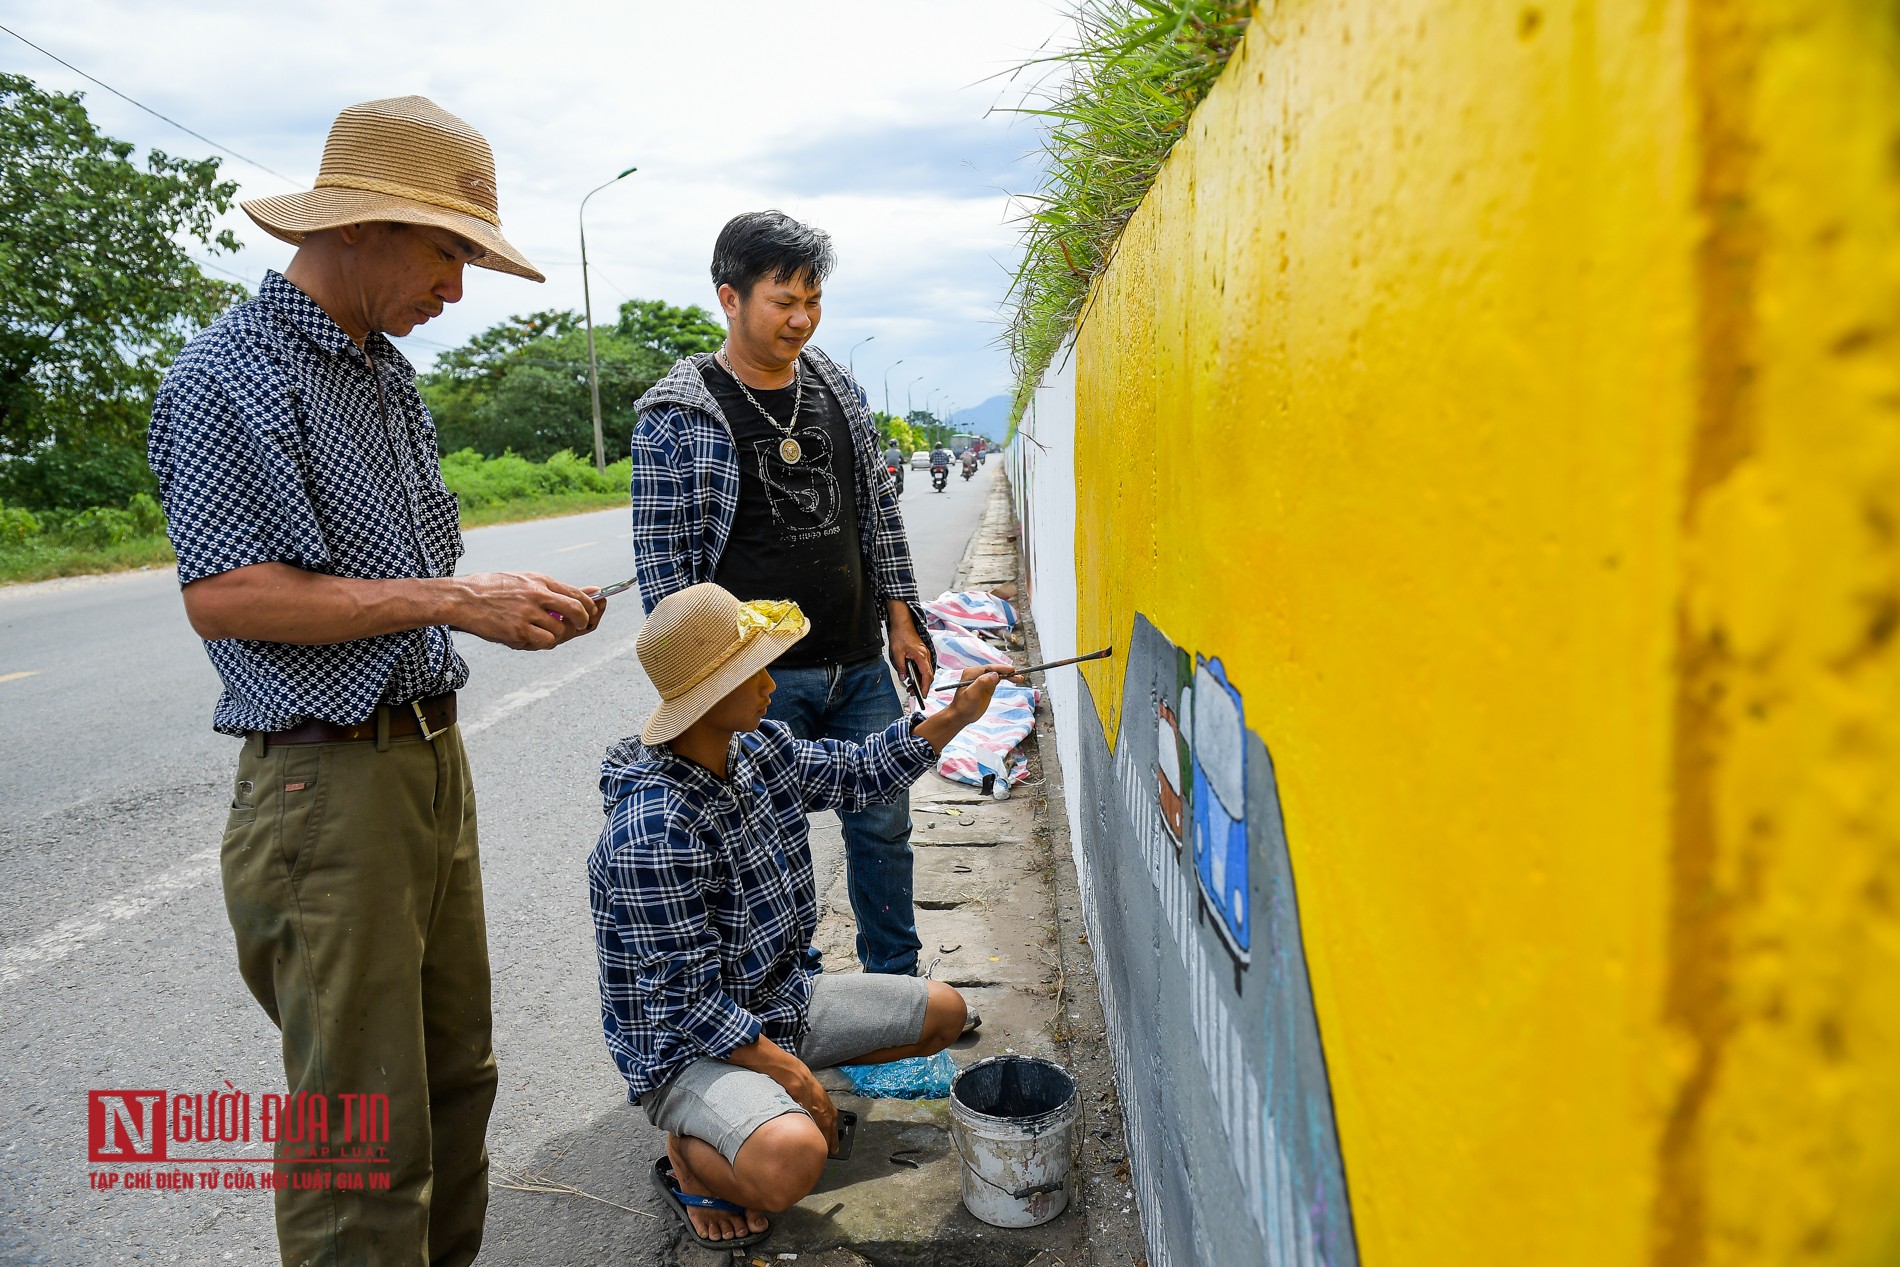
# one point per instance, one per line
(1196, 919)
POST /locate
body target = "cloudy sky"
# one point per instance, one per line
(873, 119)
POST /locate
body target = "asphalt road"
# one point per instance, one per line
(116, 968)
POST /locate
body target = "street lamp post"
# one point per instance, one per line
(587, 300)
(887, 385)
(913, 382)
(851, 357)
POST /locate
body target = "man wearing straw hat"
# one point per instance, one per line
(317, 547)
(705, 905)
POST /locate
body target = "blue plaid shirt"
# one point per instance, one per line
(276, 439)
(702, 888)
(686, 487)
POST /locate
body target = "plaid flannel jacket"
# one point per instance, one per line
(702, 888)
(686, 487)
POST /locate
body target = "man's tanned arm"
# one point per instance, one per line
(762, 1055)
(275, 602)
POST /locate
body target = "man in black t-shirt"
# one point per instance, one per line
(757, 467)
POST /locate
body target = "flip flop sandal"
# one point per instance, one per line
(665, 1180)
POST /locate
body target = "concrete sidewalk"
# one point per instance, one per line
(1000, 916)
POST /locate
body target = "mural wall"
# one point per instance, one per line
(1484, 455)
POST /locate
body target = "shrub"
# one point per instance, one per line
(480, 481)
(17, 525)
(100, 526)
(147, 515)
(71, 476)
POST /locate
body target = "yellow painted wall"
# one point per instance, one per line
(1510, 395)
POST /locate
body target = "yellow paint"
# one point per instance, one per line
(14, 677)
(1510, 396)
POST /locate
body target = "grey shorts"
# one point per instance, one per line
(850, 1015)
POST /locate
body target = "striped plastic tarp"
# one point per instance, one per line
(965, 651)
(992, 743)
(969, 609)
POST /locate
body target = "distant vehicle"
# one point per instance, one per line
(961, 441)
(920, 460)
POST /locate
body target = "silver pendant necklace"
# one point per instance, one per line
(788, 448)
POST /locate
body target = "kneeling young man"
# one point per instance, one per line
(704, 904)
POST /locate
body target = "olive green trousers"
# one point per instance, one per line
(353, 883)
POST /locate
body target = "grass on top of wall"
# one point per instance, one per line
(1115, 106)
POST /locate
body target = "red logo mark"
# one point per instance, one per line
(125, 1126)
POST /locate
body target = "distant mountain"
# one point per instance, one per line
(991, 418)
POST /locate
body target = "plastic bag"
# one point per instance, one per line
(918, 1078)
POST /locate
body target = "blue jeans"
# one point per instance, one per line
(850, 702)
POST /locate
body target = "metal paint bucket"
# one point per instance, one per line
(1014, 1121)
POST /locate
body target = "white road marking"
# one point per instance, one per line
(14, 677)
(515, 701)
(58, 943)
(582, 546)
(51, 947)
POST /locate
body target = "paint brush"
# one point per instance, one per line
(1103, 654)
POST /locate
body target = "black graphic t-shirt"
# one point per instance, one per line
(796, 531)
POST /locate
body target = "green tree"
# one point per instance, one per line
(487, 355)
(672, 332)
(929, 428)
(521, 386)
(895, 429)
(98, 293)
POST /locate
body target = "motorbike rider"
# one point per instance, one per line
(894, 463)
(939, 467)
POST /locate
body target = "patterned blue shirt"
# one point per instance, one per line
(702, 888)
(276, 439)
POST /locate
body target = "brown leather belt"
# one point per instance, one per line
(437, 713)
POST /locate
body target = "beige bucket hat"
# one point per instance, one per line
(701, 644)
(407, 160)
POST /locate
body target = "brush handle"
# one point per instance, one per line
(1103, 654)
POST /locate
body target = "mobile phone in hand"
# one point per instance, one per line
(847, 1135)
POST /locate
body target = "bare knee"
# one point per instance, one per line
(944, 1011)
(781, 1161)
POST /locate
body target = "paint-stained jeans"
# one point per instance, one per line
(353, 884)
(852, 702)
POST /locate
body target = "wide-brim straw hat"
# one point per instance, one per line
(404, 160)
(701, 644)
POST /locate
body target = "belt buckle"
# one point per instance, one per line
(422, 722)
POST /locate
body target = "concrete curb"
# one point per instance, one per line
(1113, 1226)
(1000, 915)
